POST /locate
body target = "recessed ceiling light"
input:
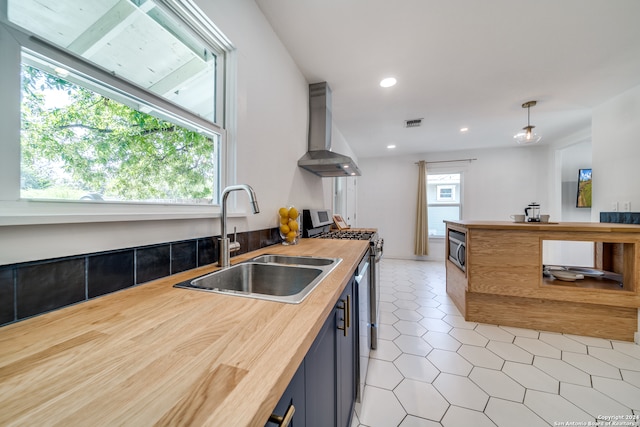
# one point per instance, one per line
(463, 130)
(388, 82)
(391, 146)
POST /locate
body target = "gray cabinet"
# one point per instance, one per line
(323, 390)
(320, 377)
(293, 396)
(346, 356)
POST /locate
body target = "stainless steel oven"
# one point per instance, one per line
(458, 248)
(375, 255)
(364, 323)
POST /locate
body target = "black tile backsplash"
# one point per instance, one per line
(50, 285)
(253, 241)
(32, 288)
(620, 217)
(7, 296)
(153, 263)
(183, 256)
(268, 237)
(109, 272)
(207, 251)
(243, 238)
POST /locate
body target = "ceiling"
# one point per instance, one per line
(460, 63)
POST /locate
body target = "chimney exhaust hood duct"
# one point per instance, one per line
(319, 159)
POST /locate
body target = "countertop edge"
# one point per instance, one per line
(248, 403)
(551, 226)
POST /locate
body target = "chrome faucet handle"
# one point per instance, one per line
(226, 247)
(235, 245)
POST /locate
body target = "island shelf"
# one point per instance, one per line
(503, 280)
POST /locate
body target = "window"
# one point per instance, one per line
(445, 193)
(443, 199)
(78, 144)
(121, 100)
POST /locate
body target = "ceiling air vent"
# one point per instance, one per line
(413, 123)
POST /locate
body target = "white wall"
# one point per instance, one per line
(566, 156)
(574, 157)
(616, 153)
(271, 136)
(272, 113)
(344, 201)
(499, 183)
(504, 181)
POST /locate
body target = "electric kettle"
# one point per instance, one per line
(532, 211)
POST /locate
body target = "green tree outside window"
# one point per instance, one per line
(90, 146)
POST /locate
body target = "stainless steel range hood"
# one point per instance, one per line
(319, 158)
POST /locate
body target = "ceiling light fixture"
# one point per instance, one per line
(391, 146)
(388, 82)
(528, 136)
(463, 130)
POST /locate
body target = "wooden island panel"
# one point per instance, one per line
(502, 261)
(618, 258)
(593, 320)
(503, 283)
(456, 286)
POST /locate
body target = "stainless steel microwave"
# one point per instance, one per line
(457, 248)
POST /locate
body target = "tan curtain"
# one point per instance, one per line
(422, 225)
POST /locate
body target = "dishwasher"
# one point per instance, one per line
(364, 324)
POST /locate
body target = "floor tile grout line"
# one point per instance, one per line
(442, 299)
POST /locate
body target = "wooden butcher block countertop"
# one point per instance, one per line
(158, 355)
(605, 227)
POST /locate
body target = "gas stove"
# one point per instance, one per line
(348, 235)
(317, 224)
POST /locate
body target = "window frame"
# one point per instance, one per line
(17, 211)
(459, 205)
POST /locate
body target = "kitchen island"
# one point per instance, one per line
(159, 355)
(503, 281)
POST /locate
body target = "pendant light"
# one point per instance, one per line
(528, 136)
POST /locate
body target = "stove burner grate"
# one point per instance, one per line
(347, 235)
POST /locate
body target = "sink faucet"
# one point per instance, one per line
(226, 247)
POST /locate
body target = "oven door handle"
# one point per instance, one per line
(377, 250)
(360, 276)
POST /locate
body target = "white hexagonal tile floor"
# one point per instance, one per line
(432, 368)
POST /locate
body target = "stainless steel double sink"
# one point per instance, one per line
(280, 278)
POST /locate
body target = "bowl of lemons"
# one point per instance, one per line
(289, 223)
